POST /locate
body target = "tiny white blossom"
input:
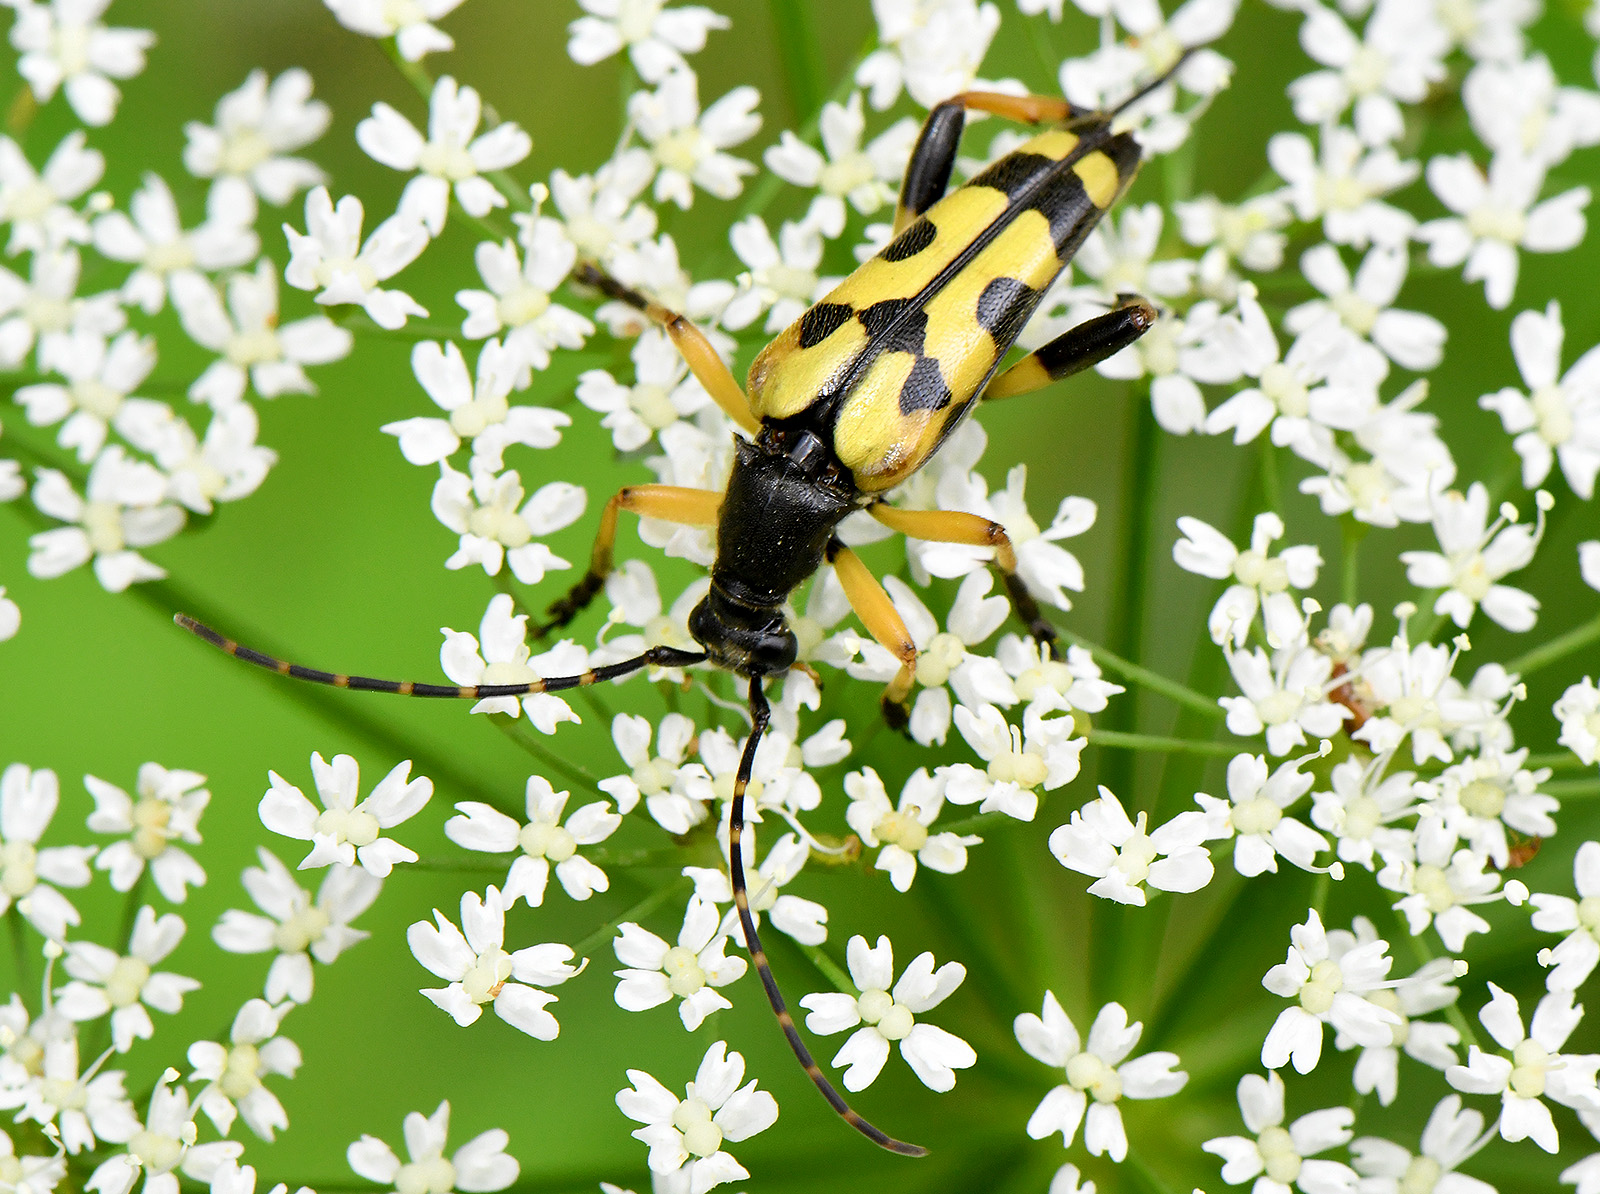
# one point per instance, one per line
(844, 170)
(410, 24)
(477, 1167)
(296, 925)
(1042, 753)
(123, 510)
(1260, 581)
(167, 810)
(686, 1135)
(29, 875)
(1329, 990)
(890, 1016)
(655, 36)
(688, 144)
(1575, 957)
(902, 834)
(331, 259)
(1450, 1138)
(233, 1071)
(451, 158)
(1578, 711)
(474, 961)
(151, 235)
(545, 841)
(164, 1142)
(126, 987)
(688, 971)
(503, 658)
(1098, 1075)
(1275, 1157)
(98, 379)
(1342, 184)
(37, 204)
(1123, 856)
(258, 126)
(63, 45)
(345, 831)
(497, 526)
(662, 393)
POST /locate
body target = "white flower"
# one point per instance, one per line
(1496, 216)
(162, 1143)
(544, 841)
(1398, 57)
(330, 258)
(782, 277)
(1485, 793)
(658, 778)
(225, 466)
(662, 393)
(688, 144)
(1330, 990)
(63, 45)
(901, 834)
(233, 1072)
(687, 971)
(125, 987)
(1246, 232)
(411, 24)
(1101, 841)
(480, 971)
(1285, 694)
(1042, 753)
(257, 128)
(686, 1135)
(246, 334)
(1341, 184)
(484, 512)
(46, 310)
(123, 511)
(1519, 105)
(31, 1173)
(888, 1017)
(1575, 957)
(1439, 886)
(930, 48)
(37, 204)
(296, 926)
(946, 657)
(1254, 816)
(1117, 256)
(1410, 339)
(152, 236)
(1098, 1076)
(795, 916)
(1448, 1139)
(1535, 1069)
(83, 1107)
(1075, 682)
(475, 410)
(167, 810)
(1260, 581)
(599, 212)
(478, 1166)
(28, 801)
(1426, 990)
(346, 832)
(1475, 556)
(99, 377)
(1360, 808)
(1409, 686)
(1557, 420)
(1578, 711)
(1276, 1156)
(518, 298)
(867, 176)
(452, 156)
(656, 37)
(505, 660)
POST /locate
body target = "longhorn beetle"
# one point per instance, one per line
(849, 401)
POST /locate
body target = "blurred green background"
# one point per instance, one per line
(337, 563)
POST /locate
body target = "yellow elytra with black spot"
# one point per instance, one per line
(888, 364)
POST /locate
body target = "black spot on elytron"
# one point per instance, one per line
(1003, 307)
(821, 321)
(924, 388)
(1015, 173)
(910, 242)
(1066, 205)
(895, 325)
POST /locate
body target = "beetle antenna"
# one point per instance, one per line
(1159, 81)
(654, 657)
(760, 715)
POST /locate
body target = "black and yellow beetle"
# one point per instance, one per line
(849, 401)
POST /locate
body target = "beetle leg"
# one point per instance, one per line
(708, 368)
(669, 503)
(1075, 349)
(954, 526)
(928, 173)
(878, 614)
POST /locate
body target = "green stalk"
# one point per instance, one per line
(801, 53)
(1556, 649)
(1351, 532)
(1175, 692)
(1569, 788)
(830, 970)
(1155, 742)
(636, 913)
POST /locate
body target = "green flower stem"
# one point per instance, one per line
(1569, 788)
(830, 970)
(661, 895)
(1424, 955)
(20, 113)
(1156, 742)
(529, 740)
(974, 824)
(1145, 1175)
(1556, 760)
(21, 957)
(1177, 693)
(801, 53)
(167, 597)
(1556, 649)
(1351, 533)
(978, 948)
